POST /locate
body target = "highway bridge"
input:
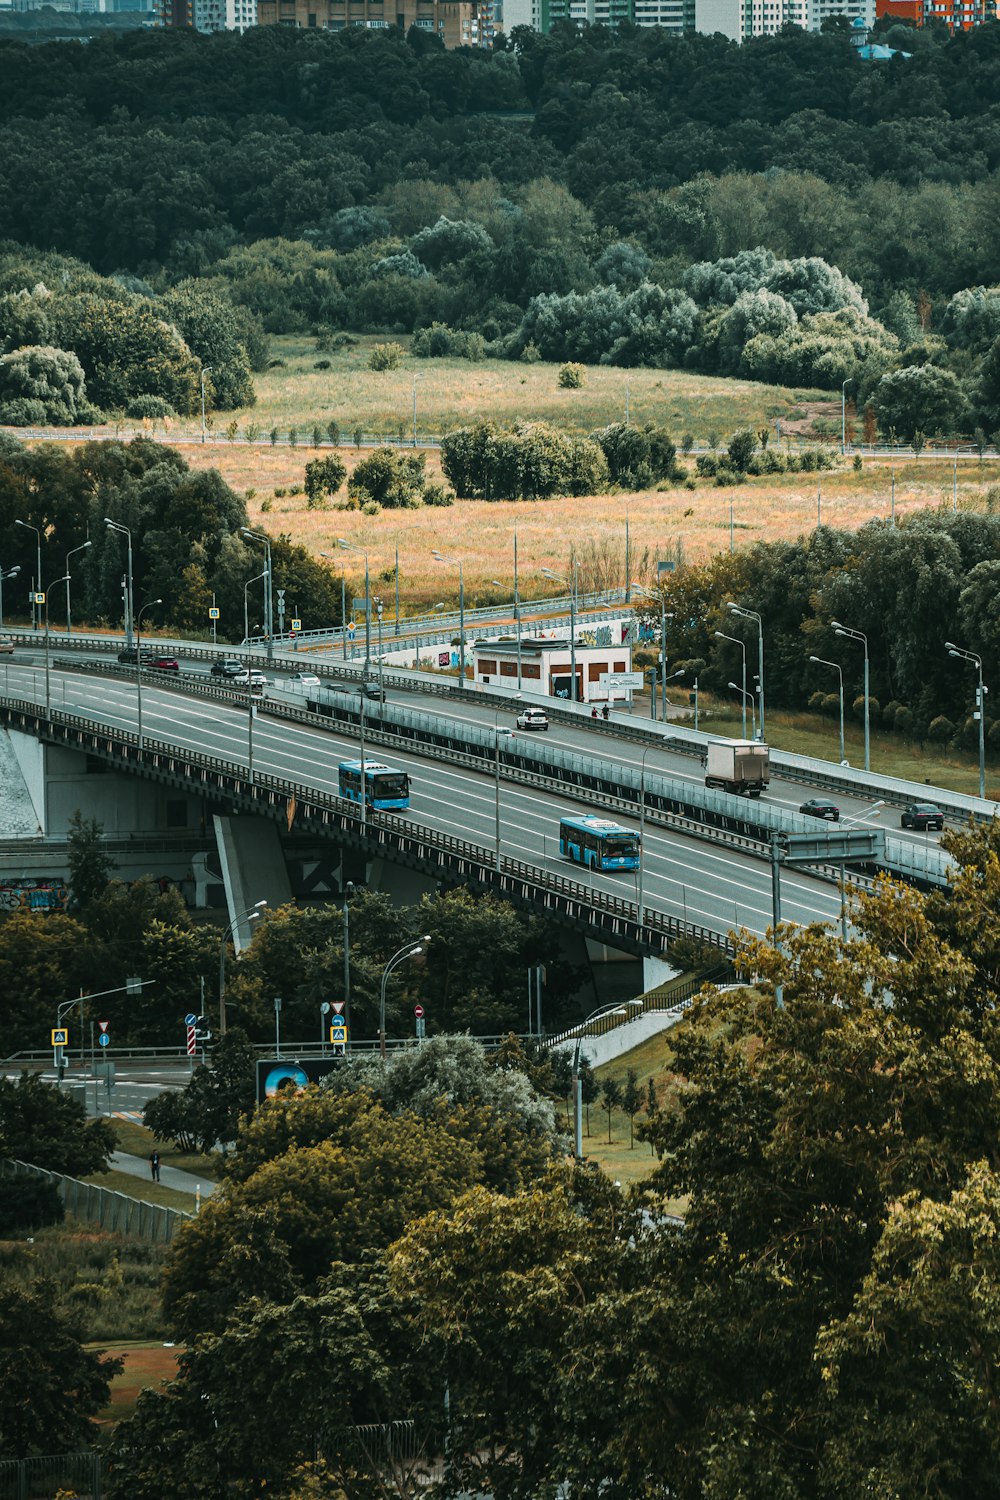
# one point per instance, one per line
(706, 867)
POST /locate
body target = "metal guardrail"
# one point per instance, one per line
(45, 1475)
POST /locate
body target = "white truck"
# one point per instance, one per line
(739, 766)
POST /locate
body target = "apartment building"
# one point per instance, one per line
(456, 22)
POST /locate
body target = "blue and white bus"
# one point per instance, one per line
(598, 843)
(385, 786)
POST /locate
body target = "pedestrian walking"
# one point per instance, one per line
(154, 1165)
(607, 712)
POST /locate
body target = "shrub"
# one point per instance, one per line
(742, 447)
(436, 494)
(47, 380)
(941, 730)
(530, 354)
(707, 465)
(323, 478)
(322, 364)
(572, 377)
(530, 461)
(441, 342)
(150, 407)
(902, 721)
(390, 478)
(385, 357)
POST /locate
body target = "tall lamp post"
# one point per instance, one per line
(640, 897)
(343, 604)
(138, 665)
(822, 661)
(246, 605)
(595, 1015)
(71, 553)
(843, 416)
(206, 370)
(35, 608)
(129, 594)
(981, 691)
(10, 573)
(743, 647)
(450, 561)
(746, 696)
(571, 583)
(252, 914)
(751, 614)
(859, 635)
(348, 892)
(45, 606)
(258, 536)
(352, 547)
(408, 950)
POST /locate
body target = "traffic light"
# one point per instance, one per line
(202, 1029)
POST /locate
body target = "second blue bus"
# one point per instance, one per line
(385, 786)
(599, 843)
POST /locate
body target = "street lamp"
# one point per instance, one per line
(450, 561)
(822, 661)
(858, 817)
(751, 614)
(572, 585)
(206, 370)
(745, 696)
(977, 662)
(129, 595)
(743, 647)
(45, 606)
(138, 666)
(843, 415)
(10, 573)
(348, 892)
(268, 575)
(71, 553)
(595, 1015)
(640, 899)
(343, 603)
(35, 609)
(859, 635)
(353, 547)
(246, 605)
(252, 914)
(496, 777)
(408, 950)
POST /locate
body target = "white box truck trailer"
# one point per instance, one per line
(739, 766)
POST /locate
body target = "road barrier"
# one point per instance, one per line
(111, 1210)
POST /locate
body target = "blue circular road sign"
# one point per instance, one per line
(190, 1018)
(104, 1039)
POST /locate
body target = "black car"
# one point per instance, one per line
(921, 815)
(817, 808)
(228, 666)
(132, 654)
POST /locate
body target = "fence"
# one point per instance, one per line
(42, 1478)
(106, 1208)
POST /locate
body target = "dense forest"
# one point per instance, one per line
(779, 210)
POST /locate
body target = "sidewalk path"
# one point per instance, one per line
(173, 1177)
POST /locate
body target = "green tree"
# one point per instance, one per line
(209, 1110)
(42, 1125)
(631, 1102)
(391, 478)
(324, 476)
(90, 868)
(50, 1386)
(742, 447)
(611, 1099)
(41, 385)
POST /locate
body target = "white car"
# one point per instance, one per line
(252, 679)
(298, 680)
(6, 645)
(532, 718)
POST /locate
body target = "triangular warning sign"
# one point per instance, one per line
(103, 1025)
(337, 1007)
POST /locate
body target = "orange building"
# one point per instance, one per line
(958, 15)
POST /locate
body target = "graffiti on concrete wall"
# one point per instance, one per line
(33, 895)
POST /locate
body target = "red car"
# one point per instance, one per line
(164, 664)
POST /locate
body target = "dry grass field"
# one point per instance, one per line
(481, 534)
(692, 523)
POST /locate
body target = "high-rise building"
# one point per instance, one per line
(456, 22)
(958, 15)
(223, 15)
